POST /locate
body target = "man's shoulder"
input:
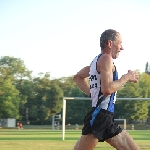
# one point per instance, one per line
(105, 58)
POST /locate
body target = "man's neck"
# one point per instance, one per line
(106, 51)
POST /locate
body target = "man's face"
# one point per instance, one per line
(116, 47)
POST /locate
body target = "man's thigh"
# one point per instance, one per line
(86, 142)
(123, 141)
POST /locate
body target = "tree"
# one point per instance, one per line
(76, 109)
(13, 70)
(125, 109)
(144, 85)
(66, 84)
(54, 102)
(147, 68)
(149, 113)
(134, 110)
(26, 93)
(46, 99)
(147, 71)
(9, 99)
(15, 67)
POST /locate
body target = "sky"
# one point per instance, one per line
(62, 36)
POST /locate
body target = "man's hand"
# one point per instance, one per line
(133, 76)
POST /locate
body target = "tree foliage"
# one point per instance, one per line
(37, 99)
(9, 100)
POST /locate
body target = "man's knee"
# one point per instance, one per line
(123, 141)
(117, 141)
(86, 142)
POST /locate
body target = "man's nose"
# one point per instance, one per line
(121, 48)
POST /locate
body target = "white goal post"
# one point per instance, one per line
(124, 122)
(83, 98)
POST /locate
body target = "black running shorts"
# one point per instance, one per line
(103, 126)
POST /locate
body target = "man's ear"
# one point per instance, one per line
(109, 43)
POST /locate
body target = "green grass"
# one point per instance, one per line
(30, 139)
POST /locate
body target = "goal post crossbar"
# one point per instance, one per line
(86, 98)
(83, 98)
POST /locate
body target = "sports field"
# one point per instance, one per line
(13, 139)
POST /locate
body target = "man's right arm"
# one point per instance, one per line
(81, 80)
(108, 86)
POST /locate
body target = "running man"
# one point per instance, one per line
(99, 125)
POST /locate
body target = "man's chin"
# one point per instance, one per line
(115, 57)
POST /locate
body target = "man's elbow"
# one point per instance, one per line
(75, 78)
(106, 92)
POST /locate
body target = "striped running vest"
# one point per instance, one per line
(98, 99)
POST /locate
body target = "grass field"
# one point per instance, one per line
(30, 139)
